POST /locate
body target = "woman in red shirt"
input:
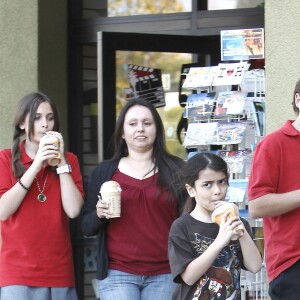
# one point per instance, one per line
(132, 255)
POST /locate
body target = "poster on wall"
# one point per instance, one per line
(242, 44)
(145, 82)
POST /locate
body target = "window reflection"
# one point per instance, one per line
(232, 4)
(115, 8)
(142, 7)
(170, 64)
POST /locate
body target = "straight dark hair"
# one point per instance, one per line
(162, 159)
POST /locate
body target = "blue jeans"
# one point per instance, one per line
(124, 286)
(15, 292)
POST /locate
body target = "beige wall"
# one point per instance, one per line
(282, 30)
(32, 56)
(18, 58)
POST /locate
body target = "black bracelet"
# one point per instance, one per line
(22, 185)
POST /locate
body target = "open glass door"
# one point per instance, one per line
(165, 52)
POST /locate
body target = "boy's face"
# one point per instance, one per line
(209, 189)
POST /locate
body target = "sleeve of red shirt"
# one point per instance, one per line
(264, 170)
(6, 171)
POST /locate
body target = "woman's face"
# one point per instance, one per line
(139, 129)
(209, 188)
(43, 122)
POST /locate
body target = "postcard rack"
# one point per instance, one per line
(225, 108)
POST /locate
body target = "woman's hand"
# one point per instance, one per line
(102, 209)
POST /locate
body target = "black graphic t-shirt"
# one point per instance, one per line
(188, 239)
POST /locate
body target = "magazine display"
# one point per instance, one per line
(228, 116)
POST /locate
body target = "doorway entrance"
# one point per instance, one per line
(204, 50)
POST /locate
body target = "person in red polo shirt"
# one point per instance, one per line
(36, 200)
(274, 195)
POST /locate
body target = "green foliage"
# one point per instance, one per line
(142, 7)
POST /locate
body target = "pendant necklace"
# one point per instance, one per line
(41, 196)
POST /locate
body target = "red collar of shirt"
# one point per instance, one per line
(289, 129)
(25, 159)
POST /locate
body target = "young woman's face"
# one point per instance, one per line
(209, 188)
(44, 121)
(139, 130)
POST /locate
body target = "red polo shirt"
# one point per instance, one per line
(275, 169)
(36, 248)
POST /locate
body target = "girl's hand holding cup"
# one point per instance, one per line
(54, 142)
(228, 211)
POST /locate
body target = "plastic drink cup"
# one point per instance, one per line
(224, 208)
(50, 139)
(110, 192)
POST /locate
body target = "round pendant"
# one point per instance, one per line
(42, 197)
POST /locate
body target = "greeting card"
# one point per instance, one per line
(230, 74)
(199, 104)
(199, 134)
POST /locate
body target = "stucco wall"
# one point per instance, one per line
(282, 28)
(18, 58)
(33, 55)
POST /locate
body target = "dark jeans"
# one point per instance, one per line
(286, 286)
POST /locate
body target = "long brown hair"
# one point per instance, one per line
(28, 105)
(163, 160)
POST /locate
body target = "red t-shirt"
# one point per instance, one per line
(275, 169)
(137, 242)
(36, 248)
